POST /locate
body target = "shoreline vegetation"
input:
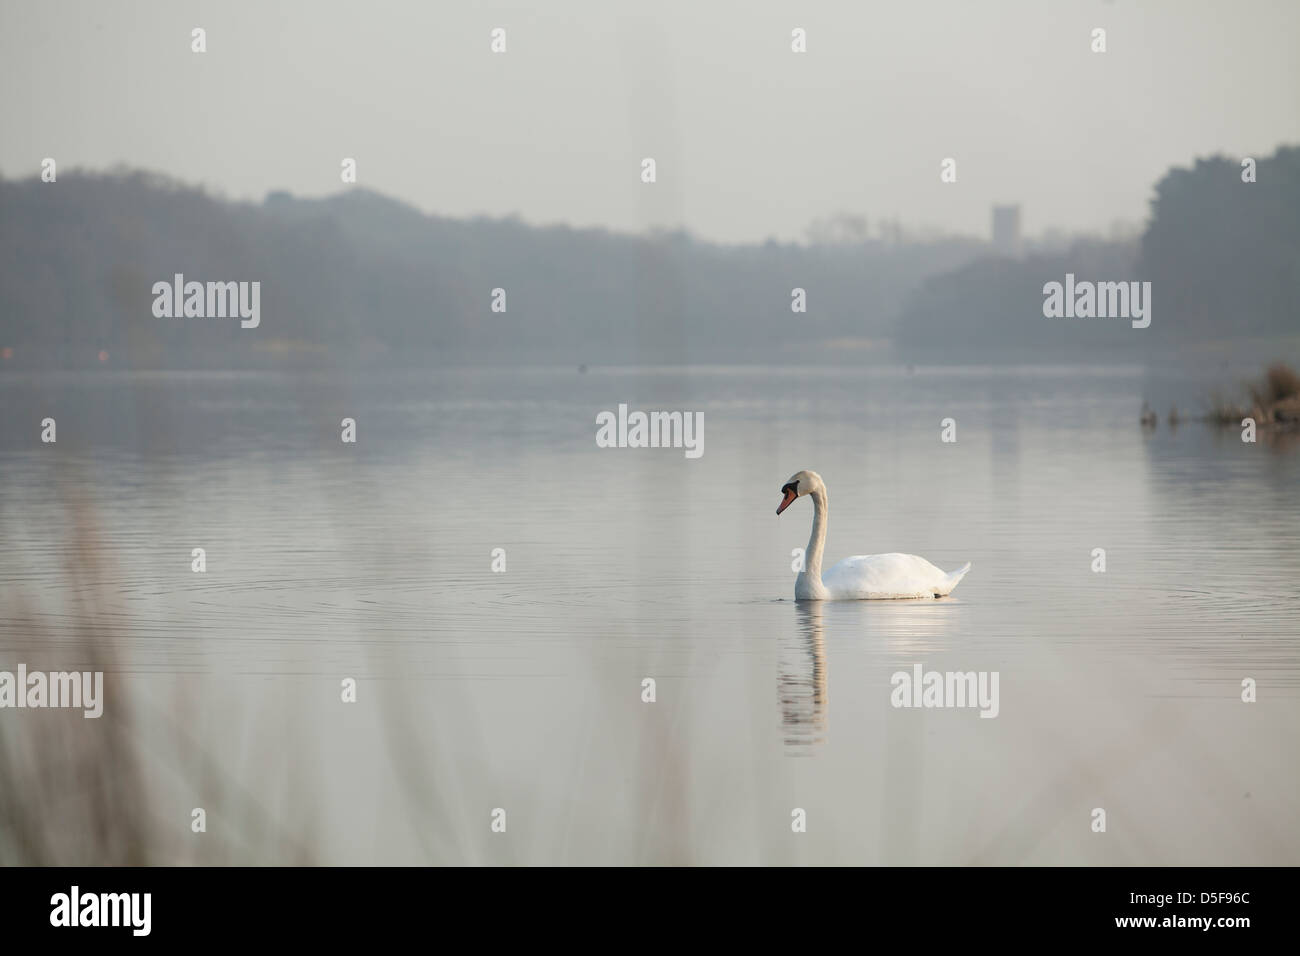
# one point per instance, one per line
(1272, 401)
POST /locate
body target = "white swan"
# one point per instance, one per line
(863, 576)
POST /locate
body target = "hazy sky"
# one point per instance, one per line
(751, 140)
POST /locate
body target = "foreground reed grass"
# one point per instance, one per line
(114, 790)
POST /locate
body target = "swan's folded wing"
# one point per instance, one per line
(887, 576)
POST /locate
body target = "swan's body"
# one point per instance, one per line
(863, 576)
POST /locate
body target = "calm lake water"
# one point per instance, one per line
(522, 690)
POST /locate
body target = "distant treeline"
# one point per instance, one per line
(359, 276)
(1222, 256)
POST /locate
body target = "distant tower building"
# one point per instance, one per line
(1006, 230)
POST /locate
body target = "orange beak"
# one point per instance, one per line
(785, 502)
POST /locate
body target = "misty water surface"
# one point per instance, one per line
(523, 690)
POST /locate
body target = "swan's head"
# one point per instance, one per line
(803, 483)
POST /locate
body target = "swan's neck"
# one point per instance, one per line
(809, 583)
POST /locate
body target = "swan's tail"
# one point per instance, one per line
(950, 581)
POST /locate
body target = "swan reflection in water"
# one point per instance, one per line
(801, 681)
(904, 632)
